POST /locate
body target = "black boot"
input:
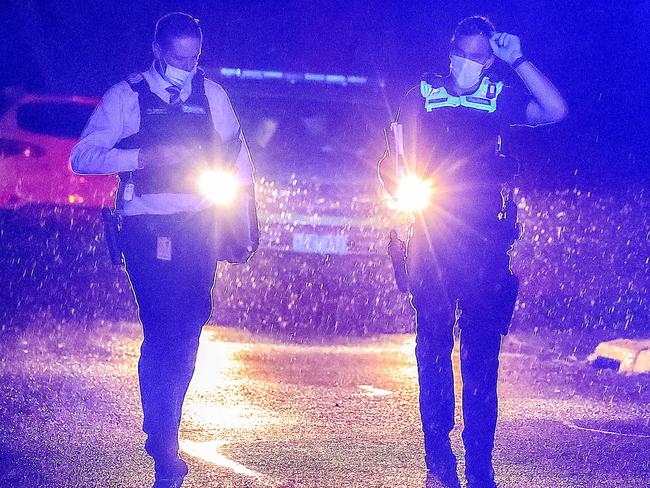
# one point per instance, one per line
(170, 473)
(441, 465)
(442, 479)
(480, 476)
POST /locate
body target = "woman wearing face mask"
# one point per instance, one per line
(457, 259)
(177, 61)
(157, 129)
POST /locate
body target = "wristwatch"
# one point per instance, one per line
(515, 64)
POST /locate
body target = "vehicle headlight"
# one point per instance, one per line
(414, 193)
(219, 186)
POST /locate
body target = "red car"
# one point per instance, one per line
(322, 264)
(37, 133)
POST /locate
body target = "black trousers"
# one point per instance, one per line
(476, 278)
(171, 265)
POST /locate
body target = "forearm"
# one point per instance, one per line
(548, 104)
(227, 125)
(244, 162)
(90, 159)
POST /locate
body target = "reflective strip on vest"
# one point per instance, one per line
(484, 98)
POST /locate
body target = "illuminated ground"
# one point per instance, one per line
(263, 413)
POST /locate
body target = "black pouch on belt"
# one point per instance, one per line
(112, 235)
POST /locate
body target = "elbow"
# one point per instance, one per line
(560, 112)
(557, 111)
(550, 115)
(553, 110)
(77, 170)
(73, 162)
(78, 161)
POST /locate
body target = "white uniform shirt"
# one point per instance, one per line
(118, 116)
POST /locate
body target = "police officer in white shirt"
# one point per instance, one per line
(162, 131)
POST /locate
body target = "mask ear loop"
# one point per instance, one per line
(161, 66)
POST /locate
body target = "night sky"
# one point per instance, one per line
(595, 52)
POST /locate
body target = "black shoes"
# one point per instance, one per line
(481, 483)
(170, 474)
(441, 465)
(481, 478)
(176, 482)
(445, 479)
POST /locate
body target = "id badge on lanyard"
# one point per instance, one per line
(129, 188)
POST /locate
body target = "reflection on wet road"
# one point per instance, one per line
(263, 412)
(252, 389)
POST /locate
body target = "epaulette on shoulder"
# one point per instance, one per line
(436, 81)
(201, 75)
(134, 78)
(207, 78)
(210, 81)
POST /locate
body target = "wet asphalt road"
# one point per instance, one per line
(332, 413)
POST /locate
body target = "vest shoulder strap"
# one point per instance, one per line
(484, 98)
(198, 83)
(138, 83)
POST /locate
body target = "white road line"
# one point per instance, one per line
(370, 390)
(600, 431)
(209, 452)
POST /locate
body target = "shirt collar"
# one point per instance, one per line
(159, 84)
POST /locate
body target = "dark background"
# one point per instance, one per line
(596, 52)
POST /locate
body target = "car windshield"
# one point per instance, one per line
(59, 119)
(322, 139)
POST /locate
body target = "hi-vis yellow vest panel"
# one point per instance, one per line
(484, 98)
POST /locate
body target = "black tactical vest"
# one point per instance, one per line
(186, 123)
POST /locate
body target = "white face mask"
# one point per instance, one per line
(466, 72)
(177, 76)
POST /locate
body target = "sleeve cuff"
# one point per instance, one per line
(130, 159)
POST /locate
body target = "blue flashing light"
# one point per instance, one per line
(357, 80)
(336, 79)
(293, 77)
(256, 74)
(276, 75)
(314, 77)
(230, 72)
